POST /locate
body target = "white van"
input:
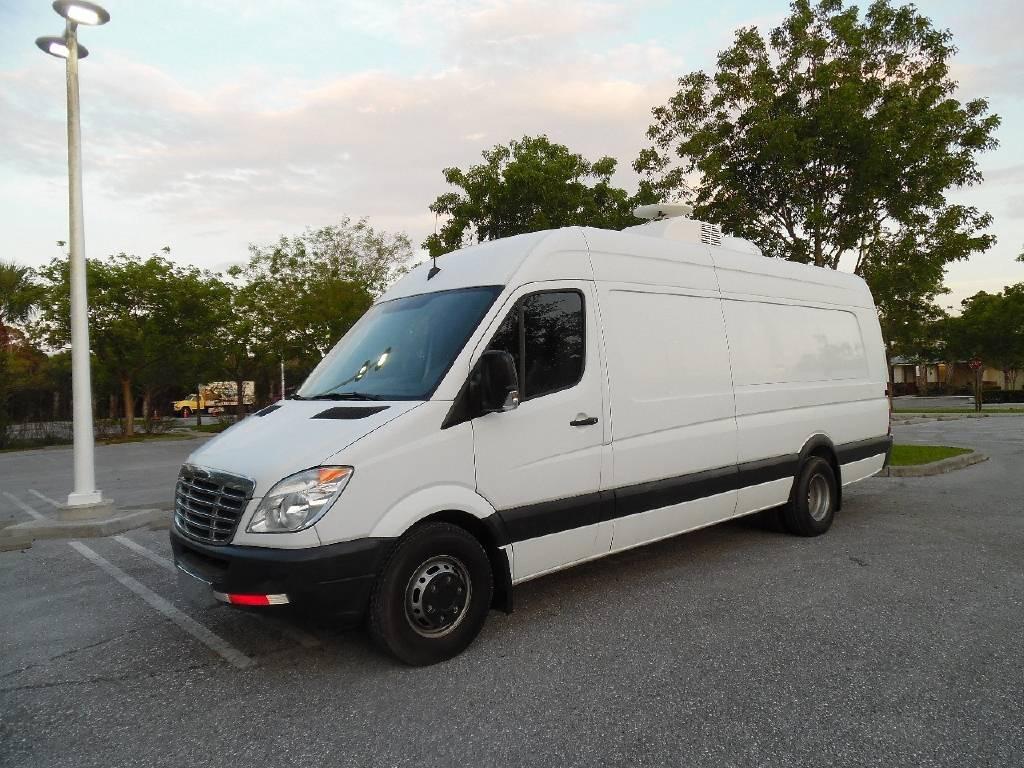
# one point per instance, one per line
(533, 403)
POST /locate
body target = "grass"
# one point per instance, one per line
(909, 455)
(1010, 409)
(139, 437)
(30, 444)
(212, 429)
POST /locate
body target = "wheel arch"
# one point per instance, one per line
(465, 508)
(490, 532)
(821, 445)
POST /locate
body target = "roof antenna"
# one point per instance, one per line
(434, 269)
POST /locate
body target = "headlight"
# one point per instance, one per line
(298, 501)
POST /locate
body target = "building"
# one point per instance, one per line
(909, 377)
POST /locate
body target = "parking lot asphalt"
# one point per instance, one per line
(133, 475)
(896, 639)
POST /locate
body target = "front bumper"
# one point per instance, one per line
(335, 577)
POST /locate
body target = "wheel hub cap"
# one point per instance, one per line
(819, 498)
(437, 596)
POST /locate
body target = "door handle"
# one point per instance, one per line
(582, 420)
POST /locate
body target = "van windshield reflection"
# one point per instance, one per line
(400, 349)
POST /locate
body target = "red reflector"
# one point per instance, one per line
(249, 599)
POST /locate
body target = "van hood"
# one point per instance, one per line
(294, 435)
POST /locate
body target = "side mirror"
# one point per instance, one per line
(498, 382)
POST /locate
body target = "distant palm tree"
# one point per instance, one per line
(19, 294)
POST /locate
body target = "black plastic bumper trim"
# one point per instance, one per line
(339, 575)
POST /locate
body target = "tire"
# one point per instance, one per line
(812, 506)
(185, 412)
(420, 625)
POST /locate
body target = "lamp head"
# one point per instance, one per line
(58, 46)
(82, 12)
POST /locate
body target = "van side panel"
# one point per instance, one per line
(672, 411)
(800, 371)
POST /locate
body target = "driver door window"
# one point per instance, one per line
(545, 335)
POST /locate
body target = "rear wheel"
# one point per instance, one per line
(812, 507)
(433, 596)
(186, 412)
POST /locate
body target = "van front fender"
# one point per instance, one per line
(425, 502)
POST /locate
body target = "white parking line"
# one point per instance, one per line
(23, 506)
(45, 498)
(214, 642)
(138, 549)
(304, 639)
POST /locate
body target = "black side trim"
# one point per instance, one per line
(558, 515)
(767, 470)
(350, 412)
(863, 449)
(643, 497)
(547, 517)
(268, 409)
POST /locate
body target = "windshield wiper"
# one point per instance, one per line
(344, 396)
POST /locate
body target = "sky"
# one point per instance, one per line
(212, 124)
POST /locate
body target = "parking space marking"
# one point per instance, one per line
(43, 497)
(214, 642)
(138, 549)
(301, 637)
(23, 506)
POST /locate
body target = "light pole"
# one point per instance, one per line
(75, 12)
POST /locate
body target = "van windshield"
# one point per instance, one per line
(400, 349)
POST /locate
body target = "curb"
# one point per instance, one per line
(935, 467)
(21, 535)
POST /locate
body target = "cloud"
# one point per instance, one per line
(293, 153)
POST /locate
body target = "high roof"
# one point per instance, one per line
(658, 253)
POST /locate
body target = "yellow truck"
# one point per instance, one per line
(215, 397)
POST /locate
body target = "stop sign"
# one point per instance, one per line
(975, 363)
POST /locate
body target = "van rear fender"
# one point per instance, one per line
(821, 445)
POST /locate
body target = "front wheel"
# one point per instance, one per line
(433, 595)
(812, 507)
(186, 412)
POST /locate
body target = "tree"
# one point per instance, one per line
(837, 136)
(19, 296)
(297, 297)
(991, 328)
(526, 186)
(151, 322)
(236, 341)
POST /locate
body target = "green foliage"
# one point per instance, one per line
(19, 295)
(150, 321)
(526, 186)
(297, 297)
(990, 328)
(837, 135)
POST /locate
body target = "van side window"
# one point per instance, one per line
(545, 334)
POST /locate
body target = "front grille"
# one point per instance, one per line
(208, 505)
